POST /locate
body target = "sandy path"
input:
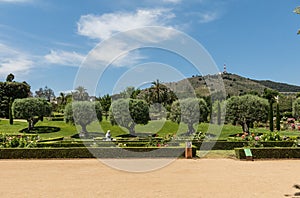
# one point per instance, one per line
(183, 178)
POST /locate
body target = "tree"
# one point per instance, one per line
(271, 95)
(157, 87)
(80, 94)
(129, 92)
(277, 117)
(128, 113)
(12, 90)
(61, 101)
(10, 77)
(296, 108)
(245, 110)
(31, 109)
(158, 93)
(297, 11)
(105, 102)
(45, 93)
(83, 113)
(190, 111)
(219, 113)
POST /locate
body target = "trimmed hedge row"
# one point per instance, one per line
(206, 145)
(97, 143)
(83, 152)
(269, 153)
(227, 145)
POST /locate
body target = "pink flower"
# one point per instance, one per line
(243, 136)
(256, 138)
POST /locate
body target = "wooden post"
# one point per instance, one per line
(188, 150)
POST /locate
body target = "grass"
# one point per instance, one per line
(161, 127)
(214, 154)
(65, 130)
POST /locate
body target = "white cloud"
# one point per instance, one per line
(16, 66)
(207, 17)
(204, 17)
(104, 26)
(116, 53)
(14, 61)
(64, 58)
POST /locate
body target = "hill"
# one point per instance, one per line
(234, 85)
(281, 87)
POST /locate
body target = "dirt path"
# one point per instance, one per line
(183, 178)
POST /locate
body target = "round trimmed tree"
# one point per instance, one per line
(128, 113)
(245, 110)
(83, 113)
(31, 109)
(189, 111)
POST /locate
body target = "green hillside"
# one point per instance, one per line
(281, 87)
(234, 85)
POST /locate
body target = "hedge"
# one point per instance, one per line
(269, 153)
(206, 145)
(83, 152)
(230, 145)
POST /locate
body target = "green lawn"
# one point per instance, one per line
(214, 154)
(162, 128)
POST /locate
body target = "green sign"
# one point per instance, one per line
(248, 152)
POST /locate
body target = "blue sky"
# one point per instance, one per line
(44, 42)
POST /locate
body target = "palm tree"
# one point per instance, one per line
(63, 98)
(157, 86)
(80, 94)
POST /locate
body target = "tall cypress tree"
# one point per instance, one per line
(219, 113)
(277, 117)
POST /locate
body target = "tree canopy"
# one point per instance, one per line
(245, 110)
(80, 94)
(190, 111)
(296, 108)
(46, 93)
(11, 90)
(271, 96)
(31, 109)
(128, 113)
(83, 113)
(105, 102)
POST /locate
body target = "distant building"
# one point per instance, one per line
(224, 69)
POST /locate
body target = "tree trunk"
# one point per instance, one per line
(11, 120)
(191, 129)
(245, 127)
(83, 132)
(31, 123)
(131, 129)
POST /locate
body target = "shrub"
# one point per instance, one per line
(269, 153)
(21, 141)
(27, 153)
